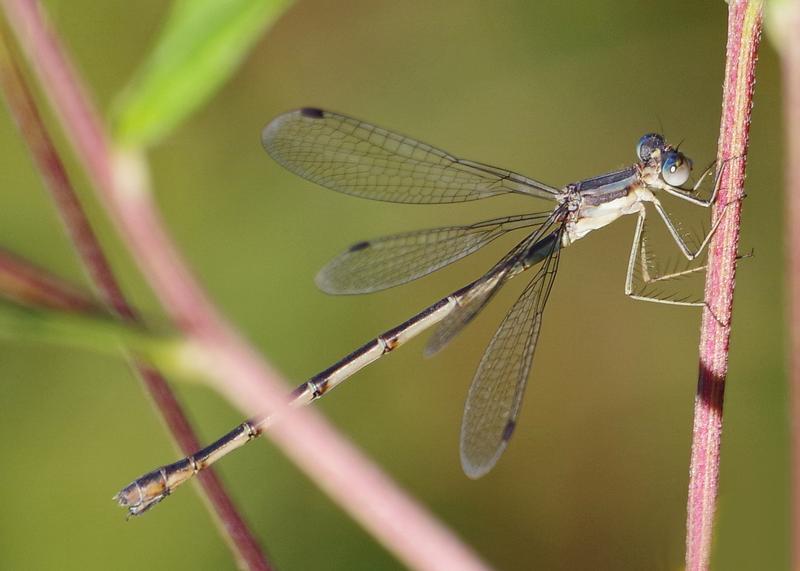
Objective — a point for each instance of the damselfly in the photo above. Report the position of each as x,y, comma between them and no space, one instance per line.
353,157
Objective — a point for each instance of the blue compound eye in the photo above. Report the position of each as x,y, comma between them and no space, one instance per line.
647,144
675,168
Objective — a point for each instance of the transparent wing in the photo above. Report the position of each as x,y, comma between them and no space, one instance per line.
530,251
385,262
350,156
496,392
469,305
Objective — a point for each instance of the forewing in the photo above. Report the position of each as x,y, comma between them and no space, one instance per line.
350,156
381,263
496,392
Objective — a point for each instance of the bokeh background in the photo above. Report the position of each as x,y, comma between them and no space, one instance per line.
596,475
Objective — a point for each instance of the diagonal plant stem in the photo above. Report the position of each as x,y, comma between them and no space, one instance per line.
22,106
24,283
791,77
744,33
238,372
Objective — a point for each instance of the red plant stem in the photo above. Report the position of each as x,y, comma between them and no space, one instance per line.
25,283
239,373
744,32
23,109
791,81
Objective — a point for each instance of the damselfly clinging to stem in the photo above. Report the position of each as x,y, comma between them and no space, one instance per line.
357,158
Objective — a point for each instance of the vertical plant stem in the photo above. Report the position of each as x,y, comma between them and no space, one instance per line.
23,108
744,33
406,528
791,82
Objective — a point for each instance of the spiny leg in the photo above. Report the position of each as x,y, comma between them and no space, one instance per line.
673,230
638,251
686,271
678,274
648,277
669,271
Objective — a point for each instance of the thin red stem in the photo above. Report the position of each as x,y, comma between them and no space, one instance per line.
51,168
337,467
23,282
791,77
744,32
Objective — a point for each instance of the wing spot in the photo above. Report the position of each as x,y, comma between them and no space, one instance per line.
312,112
509,430
359,246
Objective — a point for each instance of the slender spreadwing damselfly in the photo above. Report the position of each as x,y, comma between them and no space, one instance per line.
353,157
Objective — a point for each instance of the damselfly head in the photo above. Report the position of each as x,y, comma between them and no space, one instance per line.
648,144
675,167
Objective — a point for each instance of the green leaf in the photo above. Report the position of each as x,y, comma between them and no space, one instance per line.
200,47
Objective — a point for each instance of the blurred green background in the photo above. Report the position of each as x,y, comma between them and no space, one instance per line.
596,475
